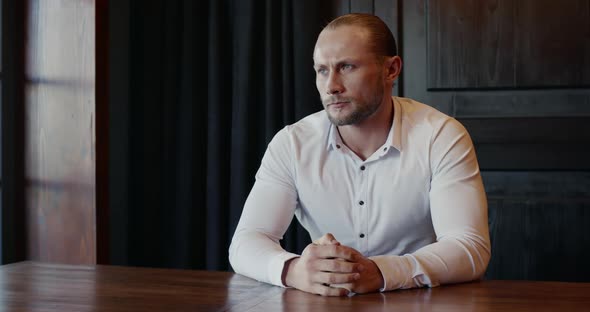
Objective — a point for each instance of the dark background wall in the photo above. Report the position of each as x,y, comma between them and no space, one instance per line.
191,92
516,74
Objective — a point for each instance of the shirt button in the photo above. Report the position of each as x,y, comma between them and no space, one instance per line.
362,167
337,145
362,235
385,149
361,202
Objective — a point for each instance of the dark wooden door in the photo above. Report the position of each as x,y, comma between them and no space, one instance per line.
517,75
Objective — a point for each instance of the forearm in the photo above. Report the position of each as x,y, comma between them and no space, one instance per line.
255,250
258,256
451,260
458,209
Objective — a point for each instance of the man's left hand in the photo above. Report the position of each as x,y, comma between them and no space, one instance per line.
371,279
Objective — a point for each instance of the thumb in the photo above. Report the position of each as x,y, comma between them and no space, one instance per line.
326,239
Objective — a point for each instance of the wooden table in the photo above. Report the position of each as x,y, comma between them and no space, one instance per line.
29,286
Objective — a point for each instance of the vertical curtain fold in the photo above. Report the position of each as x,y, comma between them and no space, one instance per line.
218,122
211,83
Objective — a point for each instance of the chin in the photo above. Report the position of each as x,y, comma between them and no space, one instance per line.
340,121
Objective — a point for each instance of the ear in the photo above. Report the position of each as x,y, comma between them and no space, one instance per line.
393,67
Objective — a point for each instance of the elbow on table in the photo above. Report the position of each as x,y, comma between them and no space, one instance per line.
233,257
482,258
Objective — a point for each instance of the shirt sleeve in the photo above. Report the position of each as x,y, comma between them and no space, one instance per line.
255,250
459,214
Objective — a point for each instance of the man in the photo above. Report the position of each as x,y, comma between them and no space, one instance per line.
390,188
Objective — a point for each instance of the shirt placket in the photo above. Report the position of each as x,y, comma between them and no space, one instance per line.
362,204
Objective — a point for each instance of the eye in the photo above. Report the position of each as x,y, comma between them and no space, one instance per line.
346,67
322,71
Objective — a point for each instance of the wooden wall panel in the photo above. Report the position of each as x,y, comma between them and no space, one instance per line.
362,6
508,44
388,11
515,73
440,36
507,143
506,104
539,225
60,131
468,42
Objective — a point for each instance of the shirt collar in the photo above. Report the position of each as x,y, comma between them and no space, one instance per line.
334,139
393,138
395,133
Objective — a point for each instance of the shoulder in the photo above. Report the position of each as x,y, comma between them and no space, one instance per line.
426,119
313,124
420,114
312,128
291,144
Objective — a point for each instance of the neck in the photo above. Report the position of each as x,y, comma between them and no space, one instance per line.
369,135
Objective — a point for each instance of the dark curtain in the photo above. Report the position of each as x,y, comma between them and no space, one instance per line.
210,83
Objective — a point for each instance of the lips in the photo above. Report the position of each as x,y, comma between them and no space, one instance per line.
337,104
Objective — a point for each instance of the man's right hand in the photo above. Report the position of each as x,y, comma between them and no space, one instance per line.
321,264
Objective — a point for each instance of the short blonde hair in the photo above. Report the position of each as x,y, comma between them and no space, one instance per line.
381,39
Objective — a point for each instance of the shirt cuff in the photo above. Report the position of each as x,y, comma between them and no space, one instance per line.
276,266
396,272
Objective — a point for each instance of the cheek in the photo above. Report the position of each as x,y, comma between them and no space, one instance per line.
363,90
319,84
355,85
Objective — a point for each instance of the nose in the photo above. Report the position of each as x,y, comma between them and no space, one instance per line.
334,84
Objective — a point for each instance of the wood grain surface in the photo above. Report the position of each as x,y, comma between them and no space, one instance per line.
29,286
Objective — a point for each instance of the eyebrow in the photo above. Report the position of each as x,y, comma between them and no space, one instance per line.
338,64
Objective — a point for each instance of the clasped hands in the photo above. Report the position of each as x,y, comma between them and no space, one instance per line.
328,268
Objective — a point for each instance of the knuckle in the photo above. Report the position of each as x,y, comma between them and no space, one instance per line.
306,251
310,250
332,279
325,291
319,289
349,254
334,249
337,266
347,279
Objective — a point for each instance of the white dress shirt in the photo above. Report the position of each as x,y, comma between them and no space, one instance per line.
416,207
